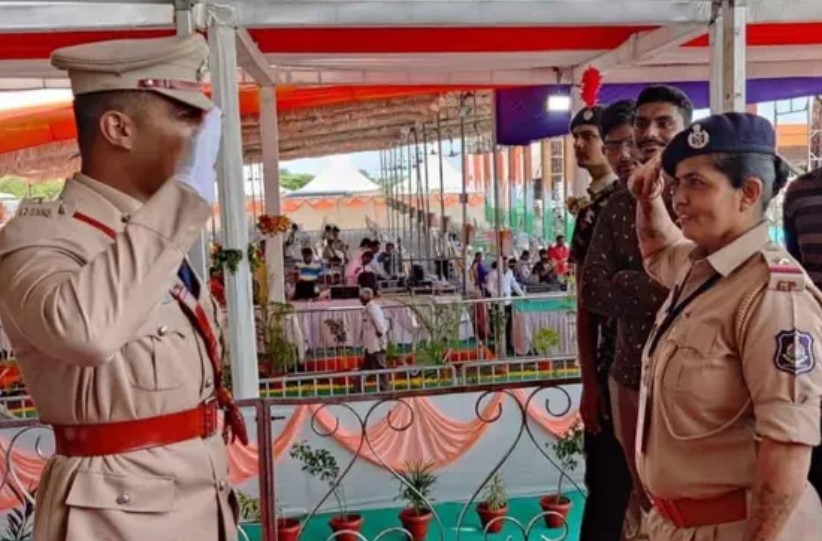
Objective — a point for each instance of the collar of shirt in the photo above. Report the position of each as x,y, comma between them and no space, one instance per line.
732,256
599,184
124,202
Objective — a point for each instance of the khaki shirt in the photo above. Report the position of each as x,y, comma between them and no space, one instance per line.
100,339
741,362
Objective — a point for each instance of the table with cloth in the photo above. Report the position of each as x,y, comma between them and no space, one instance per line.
405,327
555,312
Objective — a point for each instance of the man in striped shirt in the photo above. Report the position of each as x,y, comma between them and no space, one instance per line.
802,213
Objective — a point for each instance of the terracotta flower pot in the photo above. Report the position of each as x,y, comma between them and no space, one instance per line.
560,505
351,523
287,529
487,515
417,525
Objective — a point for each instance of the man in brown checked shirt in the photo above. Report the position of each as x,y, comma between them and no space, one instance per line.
614,283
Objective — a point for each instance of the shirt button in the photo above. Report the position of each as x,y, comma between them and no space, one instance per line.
221,486
123,499
162,331
209,382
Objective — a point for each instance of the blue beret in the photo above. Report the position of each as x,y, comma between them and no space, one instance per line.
587,116
728,133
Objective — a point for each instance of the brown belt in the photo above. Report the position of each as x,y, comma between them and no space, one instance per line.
126,436
687,513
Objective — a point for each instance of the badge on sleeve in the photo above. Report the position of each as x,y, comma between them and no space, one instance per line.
794,352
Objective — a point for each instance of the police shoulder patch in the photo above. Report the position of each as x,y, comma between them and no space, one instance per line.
794,352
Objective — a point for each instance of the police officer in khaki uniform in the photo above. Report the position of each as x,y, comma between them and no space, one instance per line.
730,398
118,340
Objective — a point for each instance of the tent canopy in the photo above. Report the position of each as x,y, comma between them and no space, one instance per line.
452,179
339,178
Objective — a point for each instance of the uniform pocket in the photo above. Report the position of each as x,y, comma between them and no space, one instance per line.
153,360
127,493
703,387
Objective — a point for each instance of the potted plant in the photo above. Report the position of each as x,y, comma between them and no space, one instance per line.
321,464
543,342
568,450
493,505
416,492
278,354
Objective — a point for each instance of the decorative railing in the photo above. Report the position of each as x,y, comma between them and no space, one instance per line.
375,435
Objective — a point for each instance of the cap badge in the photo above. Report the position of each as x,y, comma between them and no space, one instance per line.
588,114
201,71
698,138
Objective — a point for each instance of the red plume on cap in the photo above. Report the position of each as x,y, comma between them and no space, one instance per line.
591,83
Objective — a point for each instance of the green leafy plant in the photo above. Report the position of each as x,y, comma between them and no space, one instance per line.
20,521
441,324
249,507
322,465
418,487
337,329
568,450
392,352
279,354
229,258
544,341
495,496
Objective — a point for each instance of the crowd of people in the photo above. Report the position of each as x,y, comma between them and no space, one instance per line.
697,336
366,266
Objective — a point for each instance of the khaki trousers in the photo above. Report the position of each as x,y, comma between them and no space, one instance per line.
804,525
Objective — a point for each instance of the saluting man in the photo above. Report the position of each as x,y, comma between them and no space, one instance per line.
730,393
118,340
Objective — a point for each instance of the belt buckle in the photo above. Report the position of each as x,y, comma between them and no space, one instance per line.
209,416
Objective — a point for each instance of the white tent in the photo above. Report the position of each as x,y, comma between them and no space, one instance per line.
339,178
451,178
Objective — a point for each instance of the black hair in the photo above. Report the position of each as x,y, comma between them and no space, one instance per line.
668,94
617,114
772,171
90,108
543,252
561,237
365,242
525,253
307,251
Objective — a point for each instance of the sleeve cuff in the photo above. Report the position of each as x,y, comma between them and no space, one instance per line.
789,423
176,213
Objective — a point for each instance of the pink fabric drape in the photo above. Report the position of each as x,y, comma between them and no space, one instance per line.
431,436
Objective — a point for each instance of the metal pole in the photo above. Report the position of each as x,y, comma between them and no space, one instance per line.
242,339
717,96
442,176
426,201
733,58
274,256
497,219
464,202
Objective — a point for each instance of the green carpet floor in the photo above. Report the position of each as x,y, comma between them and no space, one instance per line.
379,520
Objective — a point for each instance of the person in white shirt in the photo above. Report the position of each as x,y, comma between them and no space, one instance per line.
509,286
374,337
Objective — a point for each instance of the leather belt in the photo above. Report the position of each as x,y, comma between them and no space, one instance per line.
688,513
134,435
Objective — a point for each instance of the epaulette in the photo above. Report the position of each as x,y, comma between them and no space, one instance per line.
785,274
40,208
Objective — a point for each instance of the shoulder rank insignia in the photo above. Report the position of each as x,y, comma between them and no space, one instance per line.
785,273
794,352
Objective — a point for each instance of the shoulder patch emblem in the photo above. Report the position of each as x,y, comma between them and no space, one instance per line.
794,352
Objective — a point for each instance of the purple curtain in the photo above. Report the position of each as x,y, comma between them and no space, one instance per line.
523,116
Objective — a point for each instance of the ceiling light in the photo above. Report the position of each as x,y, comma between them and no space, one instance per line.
559,102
